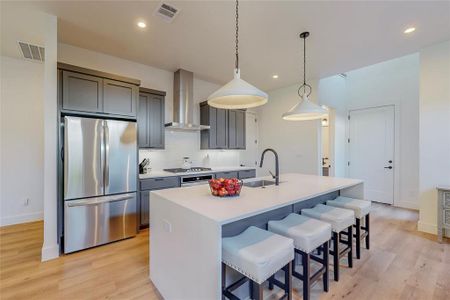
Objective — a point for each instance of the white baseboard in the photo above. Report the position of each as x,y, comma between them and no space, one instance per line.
49,252
406,204
24,218
427,227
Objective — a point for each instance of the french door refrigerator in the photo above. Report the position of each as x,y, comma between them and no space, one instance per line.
100,159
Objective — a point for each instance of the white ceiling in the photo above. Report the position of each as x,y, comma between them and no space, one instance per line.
344,35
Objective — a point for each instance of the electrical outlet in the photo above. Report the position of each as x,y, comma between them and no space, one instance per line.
27,202
167,226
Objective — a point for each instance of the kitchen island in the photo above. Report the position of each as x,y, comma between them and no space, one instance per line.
187,226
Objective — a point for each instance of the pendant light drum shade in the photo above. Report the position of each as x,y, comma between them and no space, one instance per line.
237,94
305,110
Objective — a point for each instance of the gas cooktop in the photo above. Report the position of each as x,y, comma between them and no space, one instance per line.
190,170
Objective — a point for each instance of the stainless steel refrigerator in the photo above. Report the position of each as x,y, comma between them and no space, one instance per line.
100,159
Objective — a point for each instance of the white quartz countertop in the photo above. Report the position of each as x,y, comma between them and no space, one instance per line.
161,173
293,188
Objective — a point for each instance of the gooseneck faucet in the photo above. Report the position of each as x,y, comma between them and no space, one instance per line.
277,165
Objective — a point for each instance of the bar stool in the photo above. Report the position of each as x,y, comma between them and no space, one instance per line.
361,209
340,219
257,254
308,235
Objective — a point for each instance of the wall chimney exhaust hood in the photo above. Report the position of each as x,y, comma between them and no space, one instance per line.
183,103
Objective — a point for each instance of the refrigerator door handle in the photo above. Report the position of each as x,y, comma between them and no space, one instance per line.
97,202
106,160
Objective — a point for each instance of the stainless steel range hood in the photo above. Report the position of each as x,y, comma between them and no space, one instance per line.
183,103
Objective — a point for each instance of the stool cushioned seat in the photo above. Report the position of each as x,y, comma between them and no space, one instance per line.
307,233
339,218
360,207
257,253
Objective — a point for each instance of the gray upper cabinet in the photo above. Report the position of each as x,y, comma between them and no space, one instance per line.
99,93
236,129
227,128
82,92
217,136
119,98
151,119
240,129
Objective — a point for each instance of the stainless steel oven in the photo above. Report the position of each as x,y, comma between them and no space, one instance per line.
195,179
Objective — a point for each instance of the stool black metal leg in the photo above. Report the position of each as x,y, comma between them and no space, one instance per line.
223,279
336,256
271,282
358,238
288,280
257,293
306,276
367,225
350,245
326,275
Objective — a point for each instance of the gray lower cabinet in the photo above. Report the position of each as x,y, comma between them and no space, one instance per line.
82,92
148,185
244,174
151,121
228,174
227,128
119,98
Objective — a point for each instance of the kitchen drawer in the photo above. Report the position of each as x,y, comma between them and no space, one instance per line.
247,174
159,183
229,174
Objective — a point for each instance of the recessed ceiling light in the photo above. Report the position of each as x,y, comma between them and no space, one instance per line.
409,30
141,24
275,76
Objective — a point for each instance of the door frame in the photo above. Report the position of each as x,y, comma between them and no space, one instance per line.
396,105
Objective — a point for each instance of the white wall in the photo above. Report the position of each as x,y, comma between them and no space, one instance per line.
50,247
297,143
332,92
22,136
178,144
434,130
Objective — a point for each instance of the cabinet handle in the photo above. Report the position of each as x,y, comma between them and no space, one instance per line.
159,179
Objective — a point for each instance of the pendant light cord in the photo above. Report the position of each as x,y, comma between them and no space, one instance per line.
303,87
304,61
237,36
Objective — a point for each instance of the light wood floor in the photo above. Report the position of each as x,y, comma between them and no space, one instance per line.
401,264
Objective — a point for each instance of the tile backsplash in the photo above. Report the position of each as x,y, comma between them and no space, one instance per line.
181,144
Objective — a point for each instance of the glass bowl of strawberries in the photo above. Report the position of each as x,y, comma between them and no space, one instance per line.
225,187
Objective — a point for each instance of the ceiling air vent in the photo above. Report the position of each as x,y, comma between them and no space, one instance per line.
32,52
166,12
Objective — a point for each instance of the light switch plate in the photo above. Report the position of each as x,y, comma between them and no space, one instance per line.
167,226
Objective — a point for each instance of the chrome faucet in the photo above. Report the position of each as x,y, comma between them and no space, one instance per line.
277,165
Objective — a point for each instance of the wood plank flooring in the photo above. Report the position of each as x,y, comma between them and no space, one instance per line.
401,264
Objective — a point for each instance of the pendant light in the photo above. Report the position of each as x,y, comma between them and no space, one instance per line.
237,93
305,109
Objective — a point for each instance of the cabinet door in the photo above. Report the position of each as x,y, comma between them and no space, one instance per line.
221,129
144,208
156,121
240,129
142,120
82,92
232,130
213,128
119,98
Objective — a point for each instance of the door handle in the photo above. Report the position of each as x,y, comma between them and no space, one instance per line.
390,167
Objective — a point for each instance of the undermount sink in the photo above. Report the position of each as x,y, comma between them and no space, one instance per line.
259,183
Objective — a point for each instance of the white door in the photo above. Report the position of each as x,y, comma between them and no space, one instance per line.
249,156
371,151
